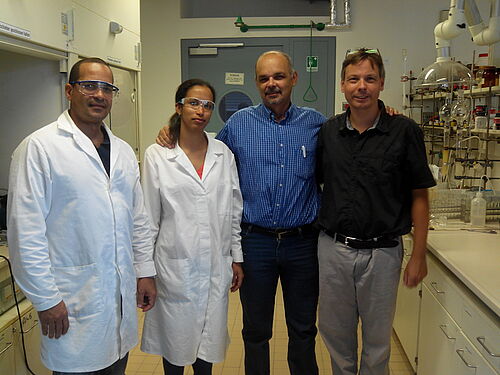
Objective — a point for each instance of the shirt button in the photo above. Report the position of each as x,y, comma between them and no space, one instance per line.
274,222
282,165
277,204
281,185
281,144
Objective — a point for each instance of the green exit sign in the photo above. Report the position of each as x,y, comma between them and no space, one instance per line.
311,63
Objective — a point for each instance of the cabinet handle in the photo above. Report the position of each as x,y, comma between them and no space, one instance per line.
461,355
482,340
7,347
443,326
34,325
434,286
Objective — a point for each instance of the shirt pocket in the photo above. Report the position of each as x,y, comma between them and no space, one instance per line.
80,288
304,161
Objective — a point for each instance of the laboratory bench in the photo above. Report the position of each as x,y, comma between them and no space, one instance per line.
450,323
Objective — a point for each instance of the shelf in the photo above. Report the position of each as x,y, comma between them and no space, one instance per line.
476,92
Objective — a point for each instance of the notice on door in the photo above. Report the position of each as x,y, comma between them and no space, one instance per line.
235,79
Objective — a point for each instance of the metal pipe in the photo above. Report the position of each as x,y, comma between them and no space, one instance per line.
483,35
333,24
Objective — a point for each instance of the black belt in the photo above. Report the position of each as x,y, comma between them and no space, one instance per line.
357,243
279,233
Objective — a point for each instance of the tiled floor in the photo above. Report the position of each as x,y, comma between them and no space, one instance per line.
144,364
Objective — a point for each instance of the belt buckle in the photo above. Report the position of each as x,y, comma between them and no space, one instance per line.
280,234
347,239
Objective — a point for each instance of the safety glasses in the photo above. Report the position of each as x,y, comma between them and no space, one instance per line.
362,50
195,103
91,87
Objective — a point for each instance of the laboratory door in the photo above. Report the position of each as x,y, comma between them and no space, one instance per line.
229,65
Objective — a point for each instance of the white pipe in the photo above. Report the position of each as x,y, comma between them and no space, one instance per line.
482,35
333,24
450,28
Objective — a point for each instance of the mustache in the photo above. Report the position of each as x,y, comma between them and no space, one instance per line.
273,90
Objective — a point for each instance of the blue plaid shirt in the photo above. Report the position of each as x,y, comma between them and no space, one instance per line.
276,163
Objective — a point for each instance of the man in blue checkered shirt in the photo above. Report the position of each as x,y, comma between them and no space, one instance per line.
275,144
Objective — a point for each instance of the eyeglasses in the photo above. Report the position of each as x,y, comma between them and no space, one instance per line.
90,88
362,50
195,103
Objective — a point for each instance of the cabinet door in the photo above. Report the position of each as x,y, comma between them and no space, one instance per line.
32,334
437,339
7,361
407,317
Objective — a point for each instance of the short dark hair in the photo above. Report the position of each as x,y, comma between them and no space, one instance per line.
74,74
175,120
363,54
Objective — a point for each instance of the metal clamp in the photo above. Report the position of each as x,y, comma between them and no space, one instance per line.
434,284
442,327
9,344
482,340
461,355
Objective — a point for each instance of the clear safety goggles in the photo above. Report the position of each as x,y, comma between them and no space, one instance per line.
91,87
207,105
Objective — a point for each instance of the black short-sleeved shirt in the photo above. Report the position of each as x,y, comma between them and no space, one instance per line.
369,177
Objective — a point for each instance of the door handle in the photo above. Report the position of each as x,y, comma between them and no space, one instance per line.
442,327
434,286
9,345
482,340
460,353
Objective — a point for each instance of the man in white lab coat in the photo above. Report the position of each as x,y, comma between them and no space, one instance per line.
78,233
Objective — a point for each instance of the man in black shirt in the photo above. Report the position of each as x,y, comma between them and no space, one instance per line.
375,175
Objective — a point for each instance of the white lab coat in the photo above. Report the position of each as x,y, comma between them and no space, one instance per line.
196,224
79,236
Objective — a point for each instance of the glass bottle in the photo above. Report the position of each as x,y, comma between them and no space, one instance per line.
461,109
478,210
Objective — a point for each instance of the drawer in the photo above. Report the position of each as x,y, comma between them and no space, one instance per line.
442,285
468,360
482,328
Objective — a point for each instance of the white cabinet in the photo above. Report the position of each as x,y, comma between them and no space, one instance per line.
407,315
31,330
7,362
438,335
93,38
40,22
458,335
126,13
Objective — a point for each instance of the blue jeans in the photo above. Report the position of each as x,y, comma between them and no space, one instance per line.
117,368
294,261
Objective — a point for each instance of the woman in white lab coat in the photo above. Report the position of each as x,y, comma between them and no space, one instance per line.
193,198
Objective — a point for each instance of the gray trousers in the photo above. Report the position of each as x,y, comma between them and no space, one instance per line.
357,284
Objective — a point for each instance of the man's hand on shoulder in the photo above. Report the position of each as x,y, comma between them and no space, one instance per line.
54,321
392,111
163,138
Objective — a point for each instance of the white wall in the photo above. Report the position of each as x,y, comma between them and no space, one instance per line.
389,25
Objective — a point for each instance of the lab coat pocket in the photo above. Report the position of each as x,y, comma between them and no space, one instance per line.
80,288
175,281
